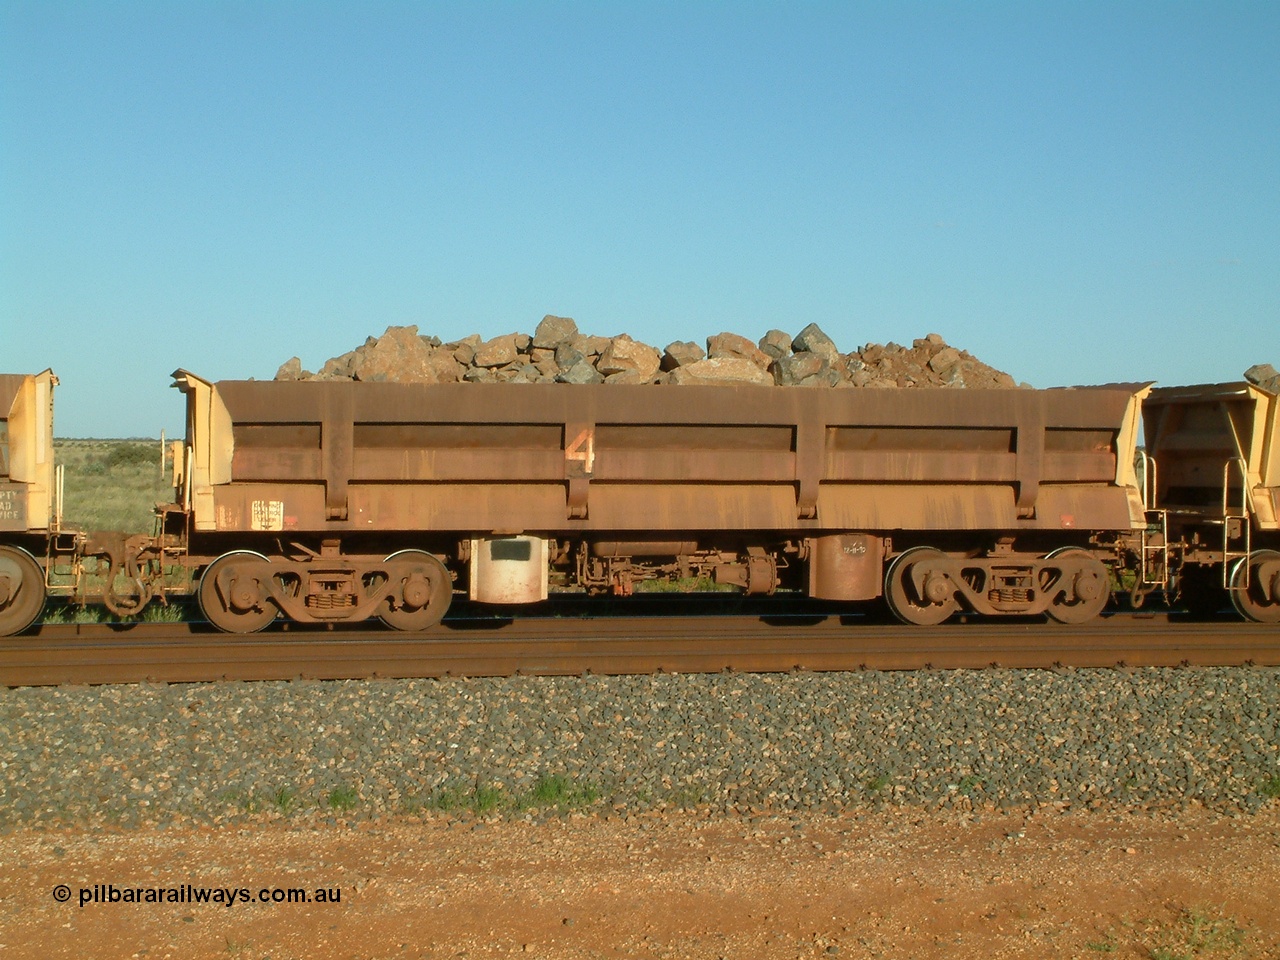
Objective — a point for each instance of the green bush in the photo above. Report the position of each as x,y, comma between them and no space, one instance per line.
127,454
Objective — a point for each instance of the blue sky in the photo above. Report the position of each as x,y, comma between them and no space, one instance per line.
1074,192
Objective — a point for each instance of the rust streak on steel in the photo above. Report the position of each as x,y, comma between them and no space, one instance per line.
173,653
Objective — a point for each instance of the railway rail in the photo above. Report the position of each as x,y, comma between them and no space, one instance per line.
177,653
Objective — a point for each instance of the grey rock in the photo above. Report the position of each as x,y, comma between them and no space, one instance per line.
628,377
547,367
944,360
721,370
792,370
568,355
812,339
823,378
680,353
1264,375
1260,372
444,367
624,355
580,372
553,331
732,345
590,346
480,375
519,372
339,368
776,344
464,350
291,369
497,352
398,355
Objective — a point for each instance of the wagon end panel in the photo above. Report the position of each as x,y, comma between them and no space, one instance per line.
27,470
1215,446
210,446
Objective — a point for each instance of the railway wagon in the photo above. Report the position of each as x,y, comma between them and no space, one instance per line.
28,486
1213,491
330,501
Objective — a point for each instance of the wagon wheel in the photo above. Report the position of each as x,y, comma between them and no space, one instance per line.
933,603
1260,601
419,593
1084,594
21,590
240,603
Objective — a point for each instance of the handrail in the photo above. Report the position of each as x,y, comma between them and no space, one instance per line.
59,492
1150,473
1238,462
1243,516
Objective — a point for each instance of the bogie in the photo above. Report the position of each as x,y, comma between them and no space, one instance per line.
924,585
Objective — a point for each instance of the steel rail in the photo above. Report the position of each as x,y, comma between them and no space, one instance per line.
177,653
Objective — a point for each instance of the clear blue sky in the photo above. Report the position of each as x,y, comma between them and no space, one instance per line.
1074,191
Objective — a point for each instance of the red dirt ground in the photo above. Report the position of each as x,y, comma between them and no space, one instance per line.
898,883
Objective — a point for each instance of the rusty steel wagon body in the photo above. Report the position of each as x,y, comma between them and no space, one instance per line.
330,501
1213,495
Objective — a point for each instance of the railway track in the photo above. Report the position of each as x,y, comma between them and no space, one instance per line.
175,653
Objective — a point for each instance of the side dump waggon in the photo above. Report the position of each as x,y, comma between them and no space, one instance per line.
330,501
1213,492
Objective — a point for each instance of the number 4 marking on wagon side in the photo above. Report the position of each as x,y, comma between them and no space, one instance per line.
583,449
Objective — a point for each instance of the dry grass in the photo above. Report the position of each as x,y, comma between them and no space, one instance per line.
112,484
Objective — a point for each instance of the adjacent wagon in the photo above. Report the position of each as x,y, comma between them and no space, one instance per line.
1213,491
28,501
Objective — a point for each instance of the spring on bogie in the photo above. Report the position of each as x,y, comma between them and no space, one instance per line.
1010,595
330,601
